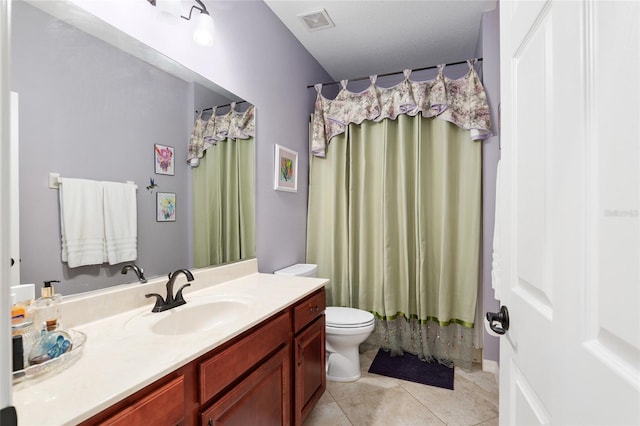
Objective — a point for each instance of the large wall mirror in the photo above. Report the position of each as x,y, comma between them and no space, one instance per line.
91,110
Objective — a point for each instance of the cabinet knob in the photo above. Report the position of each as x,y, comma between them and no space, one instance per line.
210,422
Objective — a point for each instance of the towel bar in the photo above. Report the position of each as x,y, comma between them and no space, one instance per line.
54,181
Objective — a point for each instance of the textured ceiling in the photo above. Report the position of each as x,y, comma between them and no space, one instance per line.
377,37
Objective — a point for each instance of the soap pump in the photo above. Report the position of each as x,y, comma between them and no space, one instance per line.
47,308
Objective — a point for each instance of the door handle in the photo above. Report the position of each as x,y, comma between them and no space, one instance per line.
502,318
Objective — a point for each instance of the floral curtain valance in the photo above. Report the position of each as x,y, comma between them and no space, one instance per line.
462,102
206,133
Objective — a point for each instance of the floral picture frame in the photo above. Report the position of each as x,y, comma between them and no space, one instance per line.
164,159
165,206
286,169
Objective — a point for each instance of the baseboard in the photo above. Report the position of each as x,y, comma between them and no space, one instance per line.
491,367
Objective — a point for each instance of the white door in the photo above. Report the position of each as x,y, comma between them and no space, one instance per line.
14,214
569,223
5,225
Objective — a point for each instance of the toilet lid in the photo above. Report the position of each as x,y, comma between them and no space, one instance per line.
347,317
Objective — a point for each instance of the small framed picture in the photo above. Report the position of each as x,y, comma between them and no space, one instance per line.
286,166
165,207
164,160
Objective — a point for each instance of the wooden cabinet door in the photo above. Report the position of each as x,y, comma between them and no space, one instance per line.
309,369
263,398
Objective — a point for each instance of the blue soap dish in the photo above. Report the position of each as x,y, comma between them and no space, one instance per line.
50,345
52,353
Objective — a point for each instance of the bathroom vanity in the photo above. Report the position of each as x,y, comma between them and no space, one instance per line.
261,362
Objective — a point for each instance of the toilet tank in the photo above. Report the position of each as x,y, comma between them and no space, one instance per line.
300,269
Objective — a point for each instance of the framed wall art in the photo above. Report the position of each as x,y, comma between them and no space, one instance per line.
164,161
165,207
286,169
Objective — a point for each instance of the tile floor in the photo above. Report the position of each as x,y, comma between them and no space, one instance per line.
380,400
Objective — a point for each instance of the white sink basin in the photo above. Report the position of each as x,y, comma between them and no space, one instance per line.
196,316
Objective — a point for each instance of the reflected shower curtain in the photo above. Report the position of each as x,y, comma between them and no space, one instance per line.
224,203
394,222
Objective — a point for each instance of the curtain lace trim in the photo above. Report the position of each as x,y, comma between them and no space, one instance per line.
449,345
206,133
462,102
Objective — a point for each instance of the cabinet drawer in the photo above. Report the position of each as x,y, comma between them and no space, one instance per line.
164,405
225,367
308,309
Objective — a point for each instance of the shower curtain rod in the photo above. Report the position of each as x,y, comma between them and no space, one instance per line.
394,73
219,106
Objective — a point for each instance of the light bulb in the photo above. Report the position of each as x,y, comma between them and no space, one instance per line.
203,34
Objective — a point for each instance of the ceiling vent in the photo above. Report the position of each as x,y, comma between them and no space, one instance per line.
318,20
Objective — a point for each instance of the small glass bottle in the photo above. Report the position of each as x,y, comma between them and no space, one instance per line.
47,314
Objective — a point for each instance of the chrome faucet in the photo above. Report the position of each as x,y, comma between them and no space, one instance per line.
139,272
171,301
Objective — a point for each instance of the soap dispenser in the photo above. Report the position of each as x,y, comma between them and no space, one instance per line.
47,308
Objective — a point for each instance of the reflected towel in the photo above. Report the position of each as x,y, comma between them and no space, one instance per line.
120,222
496,261
81,222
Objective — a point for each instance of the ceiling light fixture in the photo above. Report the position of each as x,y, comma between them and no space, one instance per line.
204,31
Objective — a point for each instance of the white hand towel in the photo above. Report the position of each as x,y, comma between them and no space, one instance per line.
120,222
81,222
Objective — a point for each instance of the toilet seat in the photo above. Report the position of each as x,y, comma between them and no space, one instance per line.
339,317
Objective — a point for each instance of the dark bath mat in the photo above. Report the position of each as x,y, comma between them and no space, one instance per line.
409,367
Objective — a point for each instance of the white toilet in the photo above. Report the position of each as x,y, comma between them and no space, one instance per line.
346,328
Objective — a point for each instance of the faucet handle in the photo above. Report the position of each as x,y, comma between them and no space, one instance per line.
160,303
179,297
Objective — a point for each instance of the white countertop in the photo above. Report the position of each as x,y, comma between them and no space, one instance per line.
122,355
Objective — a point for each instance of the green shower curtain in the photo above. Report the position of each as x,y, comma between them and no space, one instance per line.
223,203
394,222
